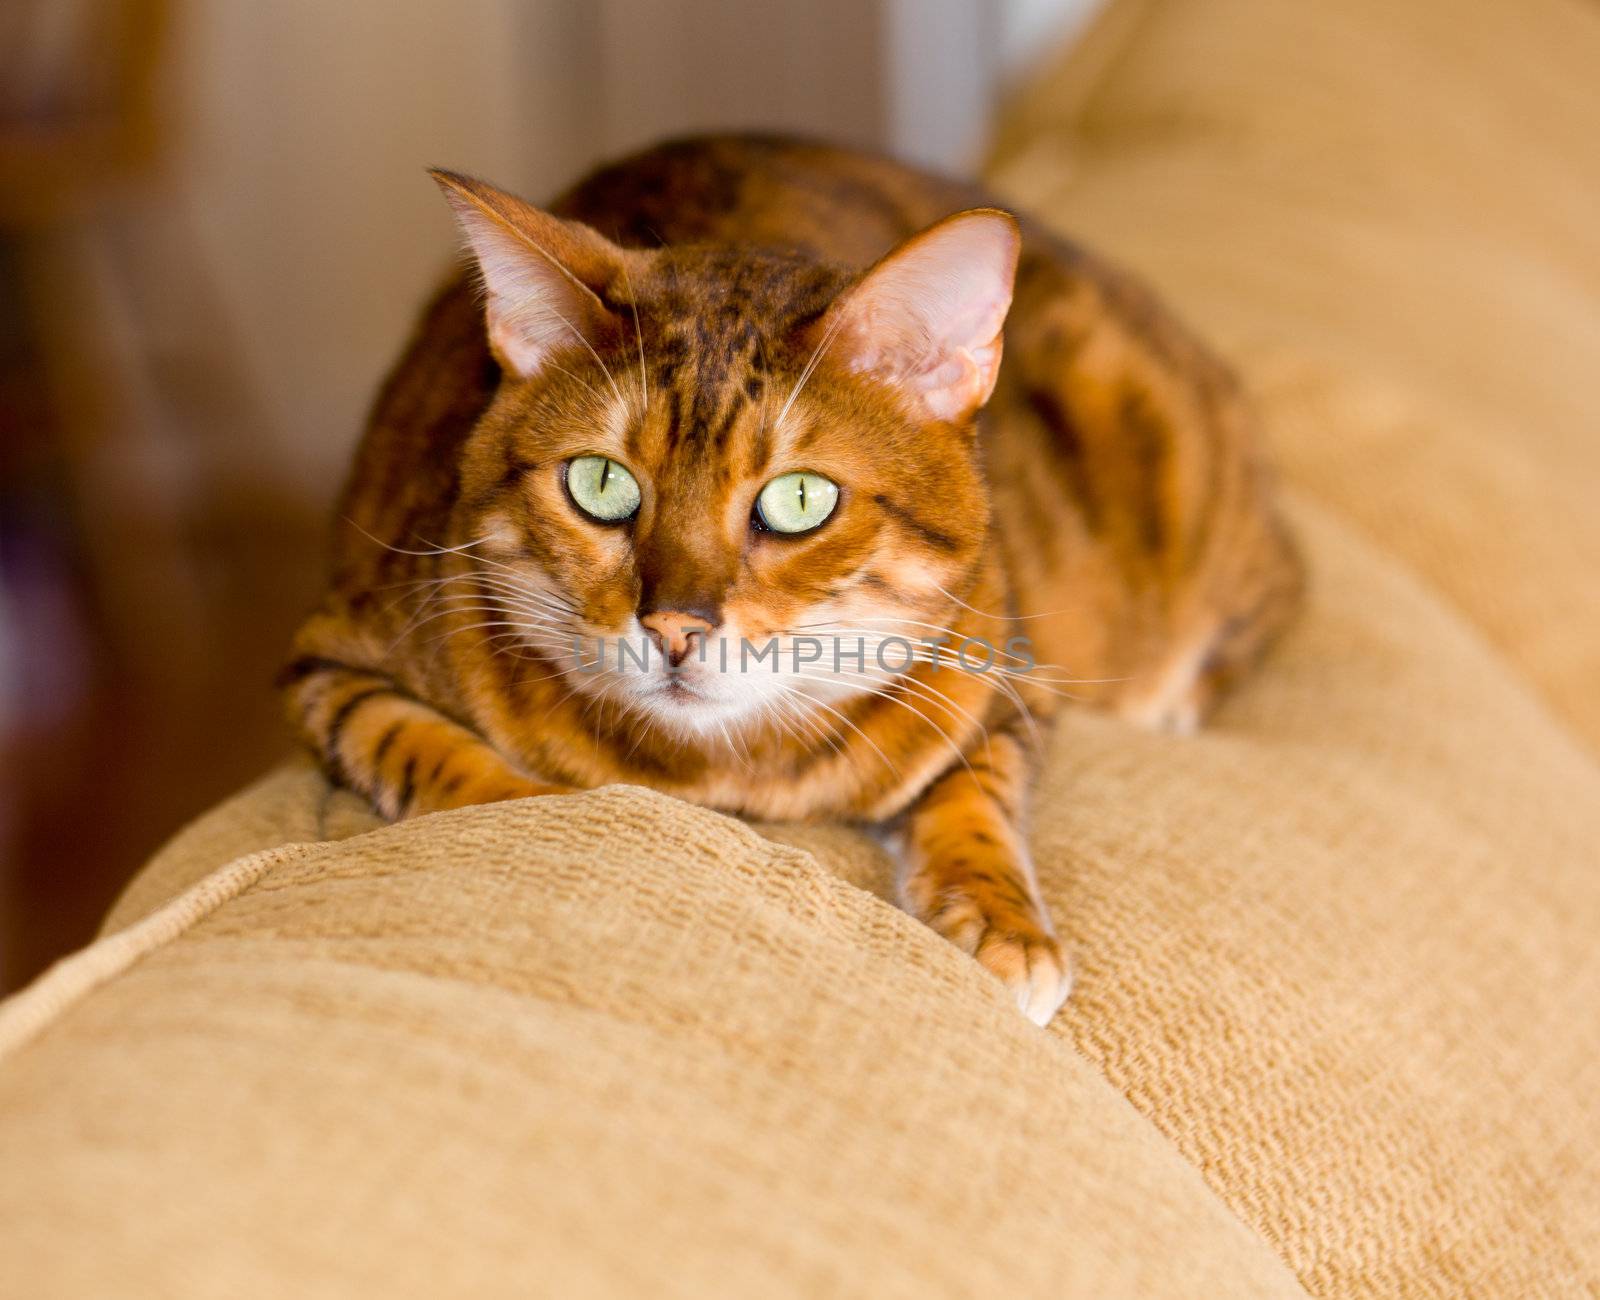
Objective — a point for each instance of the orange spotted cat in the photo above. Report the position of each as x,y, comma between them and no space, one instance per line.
712,479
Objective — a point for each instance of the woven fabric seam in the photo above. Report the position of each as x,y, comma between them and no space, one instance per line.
33,1009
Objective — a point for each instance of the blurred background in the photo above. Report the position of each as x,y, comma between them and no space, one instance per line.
214,233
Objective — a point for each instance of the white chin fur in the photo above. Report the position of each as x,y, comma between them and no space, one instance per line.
713,703
720,691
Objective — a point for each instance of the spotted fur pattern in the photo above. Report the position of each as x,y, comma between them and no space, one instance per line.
1109,503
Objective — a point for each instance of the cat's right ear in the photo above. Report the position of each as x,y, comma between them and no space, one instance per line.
541,275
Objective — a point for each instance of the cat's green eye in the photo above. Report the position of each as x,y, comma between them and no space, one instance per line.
796,503
602,488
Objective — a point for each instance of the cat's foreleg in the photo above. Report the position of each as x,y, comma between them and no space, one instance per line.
969,877
405,757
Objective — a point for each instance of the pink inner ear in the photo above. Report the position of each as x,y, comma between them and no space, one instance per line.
534,268
928,318
533,305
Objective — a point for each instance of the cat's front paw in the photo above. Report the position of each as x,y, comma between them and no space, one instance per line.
1015,947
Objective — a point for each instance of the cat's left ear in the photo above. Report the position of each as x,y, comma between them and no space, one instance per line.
927,318
542,276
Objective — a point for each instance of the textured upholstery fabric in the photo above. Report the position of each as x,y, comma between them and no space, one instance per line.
1337,1027
486,1054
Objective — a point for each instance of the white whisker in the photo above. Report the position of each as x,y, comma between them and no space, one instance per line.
638,334
805,373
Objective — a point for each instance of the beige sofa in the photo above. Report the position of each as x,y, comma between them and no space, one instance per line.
1337,1029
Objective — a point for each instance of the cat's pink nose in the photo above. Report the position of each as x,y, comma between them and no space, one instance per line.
673,632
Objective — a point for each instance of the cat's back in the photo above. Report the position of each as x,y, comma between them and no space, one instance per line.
835,204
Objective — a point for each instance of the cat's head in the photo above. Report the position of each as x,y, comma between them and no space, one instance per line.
741,440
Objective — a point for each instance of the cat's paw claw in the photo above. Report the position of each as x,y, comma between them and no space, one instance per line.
1032,965
1022,954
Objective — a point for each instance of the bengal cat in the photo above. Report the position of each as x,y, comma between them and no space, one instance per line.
740,395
